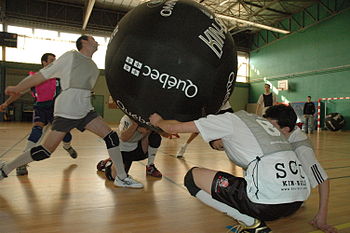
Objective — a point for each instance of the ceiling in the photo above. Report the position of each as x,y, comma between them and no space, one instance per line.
265,12
242,17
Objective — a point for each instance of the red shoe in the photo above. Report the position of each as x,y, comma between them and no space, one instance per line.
151,170
102,164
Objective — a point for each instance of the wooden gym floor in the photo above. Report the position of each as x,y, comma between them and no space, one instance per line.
65,195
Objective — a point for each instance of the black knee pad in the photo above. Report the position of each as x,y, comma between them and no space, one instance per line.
154,140
36,133
67,137
39,153
111,140
189,183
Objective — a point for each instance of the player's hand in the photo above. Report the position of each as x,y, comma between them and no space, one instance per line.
12,91
155,118
321,224
3,107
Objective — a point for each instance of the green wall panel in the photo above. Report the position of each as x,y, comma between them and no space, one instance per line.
315,62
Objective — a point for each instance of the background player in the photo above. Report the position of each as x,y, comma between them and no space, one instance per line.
44,96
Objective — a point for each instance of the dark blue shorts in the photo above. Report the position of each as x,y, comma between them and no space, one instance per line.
43,114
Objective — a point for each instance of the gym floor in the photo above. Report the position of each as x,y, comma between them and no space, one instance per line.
65,195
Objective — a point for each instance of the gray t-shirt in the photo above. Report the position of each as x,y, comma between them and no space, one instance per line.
78,75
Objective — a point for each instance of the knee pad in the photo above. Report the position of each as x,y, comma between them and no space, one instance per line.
189,183
36,133
67,137
39,153
154,140
111,140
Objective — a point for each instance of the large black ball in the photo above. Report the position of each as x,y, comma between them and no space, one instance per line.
334,121
171,57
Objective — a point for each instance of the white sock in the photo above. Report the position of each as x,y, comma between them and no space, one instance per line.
117,159
29,145
230,211
151,155
20,160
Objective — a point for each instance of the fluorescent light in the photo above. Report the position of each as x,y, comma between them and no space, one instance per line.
253,24
224,2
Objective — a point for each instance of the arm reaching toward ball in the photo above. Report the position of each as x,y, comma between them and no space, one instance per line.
173,126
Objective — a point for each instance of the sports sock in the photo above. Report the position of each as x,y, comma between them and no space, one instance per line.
29,145
20,160
232,212
117,159
151,155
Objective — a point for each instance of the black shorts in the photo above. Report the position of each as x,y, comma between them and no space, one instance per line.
62,124
42,114
135,155
231,190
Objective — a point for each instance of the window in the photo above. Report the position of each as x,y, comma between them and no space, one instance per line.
242,70
32,43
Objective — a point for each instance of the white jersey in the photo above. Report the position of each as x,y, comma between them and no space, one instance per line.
303,148
272,170
78,74
130,145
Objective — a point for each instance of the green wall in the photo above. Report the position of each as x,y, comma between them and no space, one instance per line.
315,62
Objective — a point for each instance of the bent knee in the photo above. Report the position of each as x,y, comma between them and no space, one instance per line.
190,184
111,140
39,153
154,140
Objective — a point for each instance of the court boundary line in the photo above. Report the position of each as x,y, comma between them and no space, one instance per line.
13,146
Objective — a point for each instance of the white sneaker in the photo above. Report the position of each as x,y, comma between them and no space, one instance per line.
127,182
2,173
181,152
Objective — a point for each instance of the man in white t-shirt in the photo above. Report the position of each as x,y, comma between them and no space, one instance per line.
180,154
136,143
314,171
78,74
274,184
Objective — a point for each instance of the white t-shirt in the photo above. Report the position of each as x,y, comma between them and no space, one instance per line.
306,156
78,74
130,145
278,177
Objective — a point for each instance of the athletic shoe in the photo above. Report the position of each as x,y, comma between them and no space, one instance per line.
151,170
127,182
2,173
22,170
101,166
72,152
181,152
257,227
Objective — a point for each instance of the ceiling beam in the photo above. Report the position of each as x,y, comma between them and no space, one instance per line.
258,25
88,9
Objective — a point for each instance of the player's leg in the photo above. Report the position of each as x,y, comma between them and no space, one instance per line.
35,136
152,143
68,146
95,124
183,148
37,153
201,182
